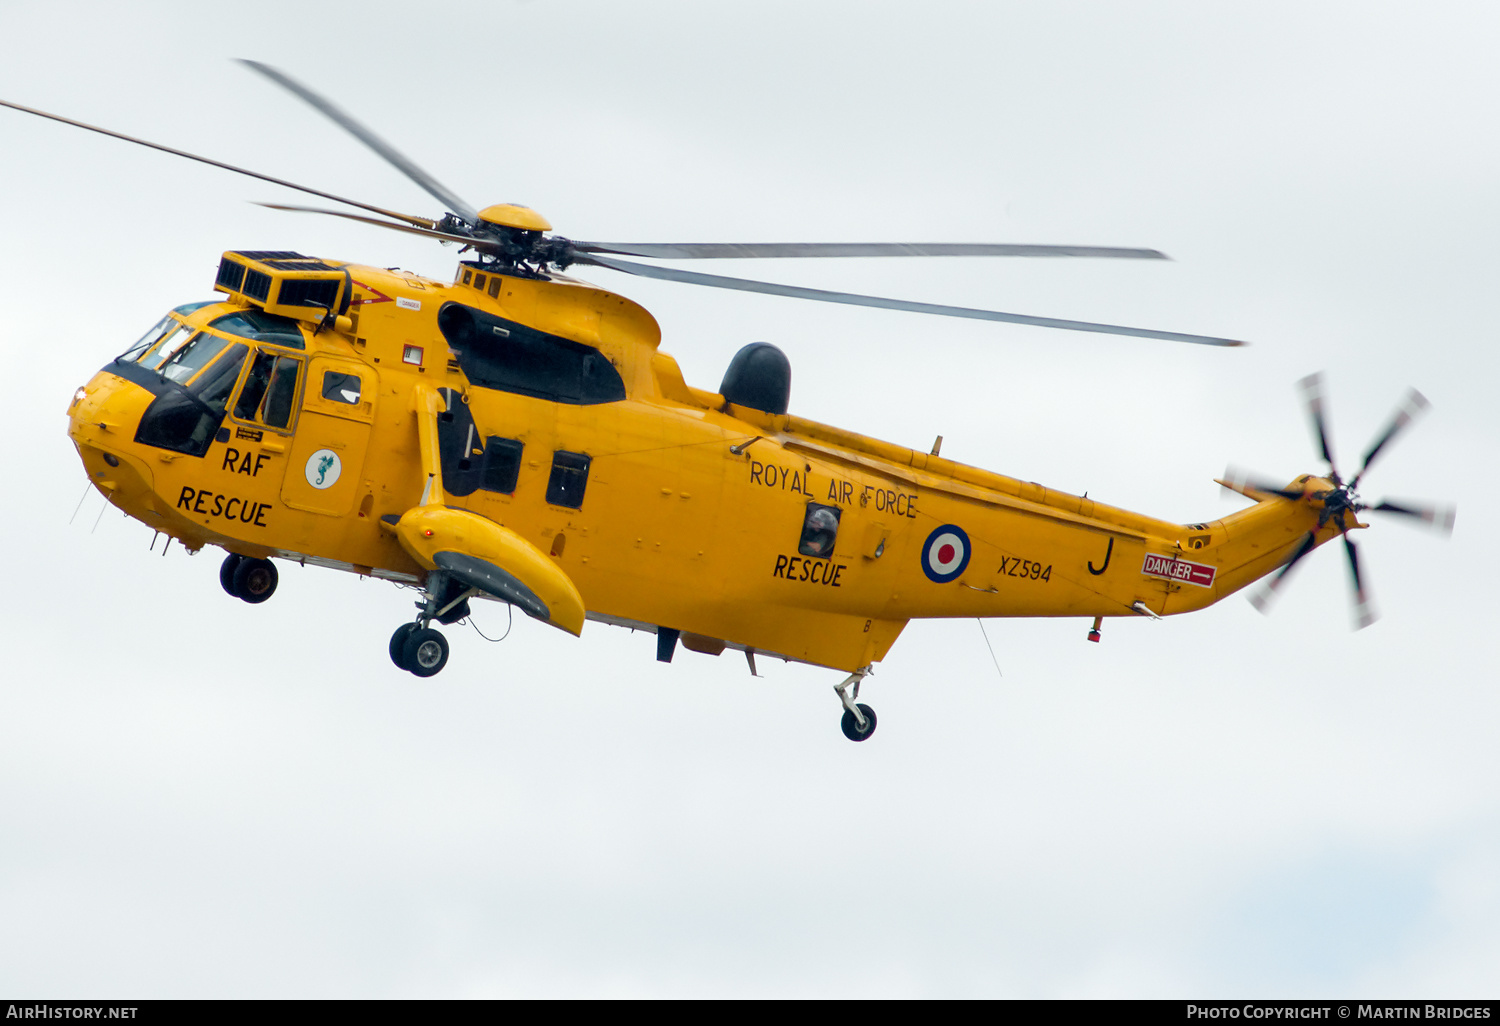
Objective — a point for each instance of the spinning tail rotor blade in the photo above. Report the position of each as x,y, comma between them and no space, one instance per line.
1364,612
393,156
1411,407
762,250
1312,395
1261,600
1439,518
853,299
1335,505
420,221
428,232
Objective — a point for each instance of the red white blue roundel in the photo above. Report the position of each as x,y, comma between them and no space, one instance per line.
945,554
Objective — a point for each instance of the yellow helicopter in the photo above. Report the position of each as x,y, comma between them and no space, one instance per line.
517,434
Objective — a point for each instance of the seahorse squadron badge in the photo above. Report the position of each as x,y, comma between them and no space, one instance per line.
323,468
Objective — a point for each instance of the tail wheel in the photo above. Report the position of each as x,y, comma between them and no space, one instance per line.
425,652
226,573
255,580
852,729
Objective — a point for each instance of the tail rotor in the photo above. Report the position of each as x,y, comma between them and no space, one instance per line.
1341,505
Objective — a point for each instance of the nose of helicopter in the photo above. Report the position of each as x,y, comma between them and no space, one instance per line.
102,419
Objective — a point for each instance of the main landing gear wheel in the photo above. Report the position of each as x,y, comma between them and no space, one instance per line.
226,573
254,579
425,652
851,726
398,644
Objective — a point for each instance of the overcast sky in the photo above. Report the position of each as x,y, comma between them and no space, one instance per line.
203,798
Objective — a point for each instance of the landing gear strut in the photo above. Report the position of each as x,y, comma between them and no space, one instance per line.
859,719
416,647
253,580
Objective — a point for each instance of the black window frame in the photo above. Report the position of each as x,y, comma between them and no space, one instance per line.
569,470
510,357
806,543
502,464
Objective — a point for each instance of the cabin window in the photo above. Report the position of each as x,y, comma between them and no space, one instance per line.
502,465
820,528
341,387
570,475
505,355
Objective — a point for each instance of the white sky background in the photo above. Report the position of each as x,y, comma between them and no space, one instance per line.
203,798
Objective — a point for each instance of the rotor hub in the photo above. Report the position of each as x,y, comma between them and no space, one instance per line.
513,215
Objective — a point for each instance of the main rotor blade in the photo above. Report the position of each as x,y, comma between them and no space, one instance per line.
852,299
1262,599
1411,407
410,219
433,187
426,232
1312,396
763,250
1364,612
1439,518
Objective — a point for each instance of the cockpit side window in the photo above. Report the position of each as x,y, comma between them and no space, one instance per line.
277,411
269,390
254,391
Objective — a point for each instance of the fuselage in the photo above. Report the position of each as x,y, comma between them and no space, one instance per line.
664,504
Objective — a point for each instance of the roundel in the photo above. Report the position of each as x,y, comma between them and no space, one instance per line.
323,468
945,554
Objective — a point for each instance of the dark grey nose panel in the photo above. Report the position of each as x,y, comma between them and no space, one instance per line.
760,377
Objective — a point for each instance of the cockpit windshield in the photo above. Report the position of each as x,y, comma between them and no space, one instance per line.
192,357
262,327
185,419
159,331
164,337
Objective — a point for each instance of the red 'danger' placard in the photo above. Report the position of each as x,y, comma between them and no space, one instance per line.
1178,570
